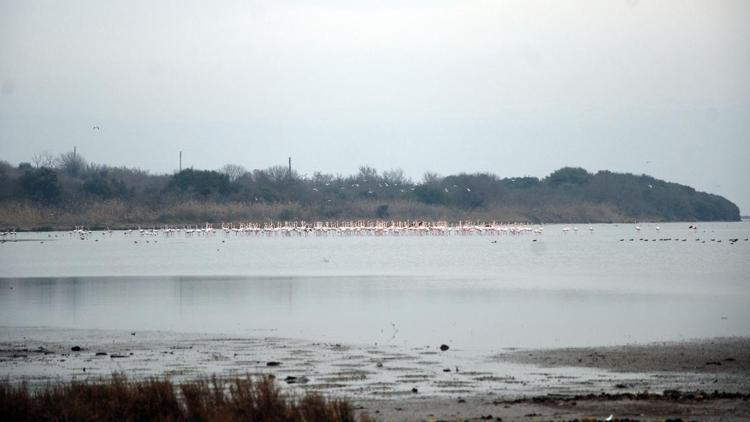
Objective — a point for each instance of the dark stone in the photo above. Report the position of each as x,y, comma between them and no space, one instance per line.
76,348
414,390
101,353
273,363
444,347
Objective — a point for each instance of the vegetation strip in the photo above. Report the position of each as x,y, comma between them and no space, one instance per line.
63,192
214,399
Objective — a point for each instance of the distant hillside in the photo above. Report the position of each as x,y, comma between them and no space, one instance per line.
68,191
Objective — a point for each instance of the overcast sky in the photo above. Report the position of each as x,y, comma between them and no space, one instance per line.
509,87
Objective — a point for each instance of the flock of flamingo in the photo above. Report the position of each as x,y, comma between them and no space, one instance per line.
341,228
347,228
319,228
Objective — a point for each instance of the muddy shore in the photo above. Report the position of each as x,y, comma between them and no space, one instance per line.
654,408
694,359
395,383
719,355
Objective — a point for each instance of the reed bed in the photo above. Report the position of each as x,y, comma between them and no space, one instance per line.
210,399
117,214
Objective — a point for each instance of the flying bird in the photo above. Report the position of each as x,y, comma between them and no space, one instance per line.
96,127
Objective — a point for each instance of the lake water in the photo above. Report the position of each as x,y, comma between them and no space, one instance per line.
555,289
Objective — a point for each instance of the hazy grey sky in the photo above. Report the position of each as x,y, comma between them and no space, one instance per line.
510,87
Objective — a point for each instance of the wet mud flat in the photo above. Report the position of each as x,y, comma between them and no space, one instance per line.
719,355
593,407
709,380
395,382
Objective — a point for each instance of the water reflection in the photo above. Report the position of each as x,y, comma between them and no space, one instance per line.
423,310
562,289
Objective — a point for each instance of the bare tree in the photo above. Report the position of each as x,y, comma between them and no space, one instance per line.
233,171
279,174
431,177
367,173
319,178
43,159
395,177
71,163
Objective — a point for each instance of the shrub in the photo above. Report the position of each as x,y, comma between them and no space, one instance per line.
382,211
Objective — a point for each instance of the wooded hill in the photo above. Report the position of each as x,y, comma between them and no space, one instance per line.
69,191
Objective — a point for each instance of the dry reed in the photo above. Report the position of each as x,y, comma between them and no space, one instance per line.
214,399
118,214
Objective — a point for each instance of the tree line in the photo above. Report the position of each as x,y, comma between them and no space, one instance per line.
69,182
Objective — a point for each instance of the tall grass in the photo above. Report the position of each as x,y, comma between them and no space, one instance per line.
117,214
215,399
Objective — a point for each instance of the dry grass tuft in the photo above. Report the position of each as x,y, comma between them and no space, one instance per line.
215,399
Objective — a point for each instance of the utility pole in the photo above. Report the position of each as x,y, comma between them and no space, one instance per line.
180,161
290,168
74,153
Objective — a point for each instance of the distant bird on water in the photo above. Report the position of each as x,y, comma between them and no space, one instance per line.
96,127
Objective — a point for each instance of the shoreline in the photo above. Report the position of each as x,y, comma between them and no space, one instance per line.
550,384
119,227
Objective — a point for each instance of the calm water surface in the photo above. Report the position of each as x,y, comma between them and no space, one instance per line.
564,289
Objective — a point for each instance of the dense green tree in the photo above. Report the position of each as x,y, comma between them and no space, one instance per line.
568,176
429,194
200,182
41,185
101,185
